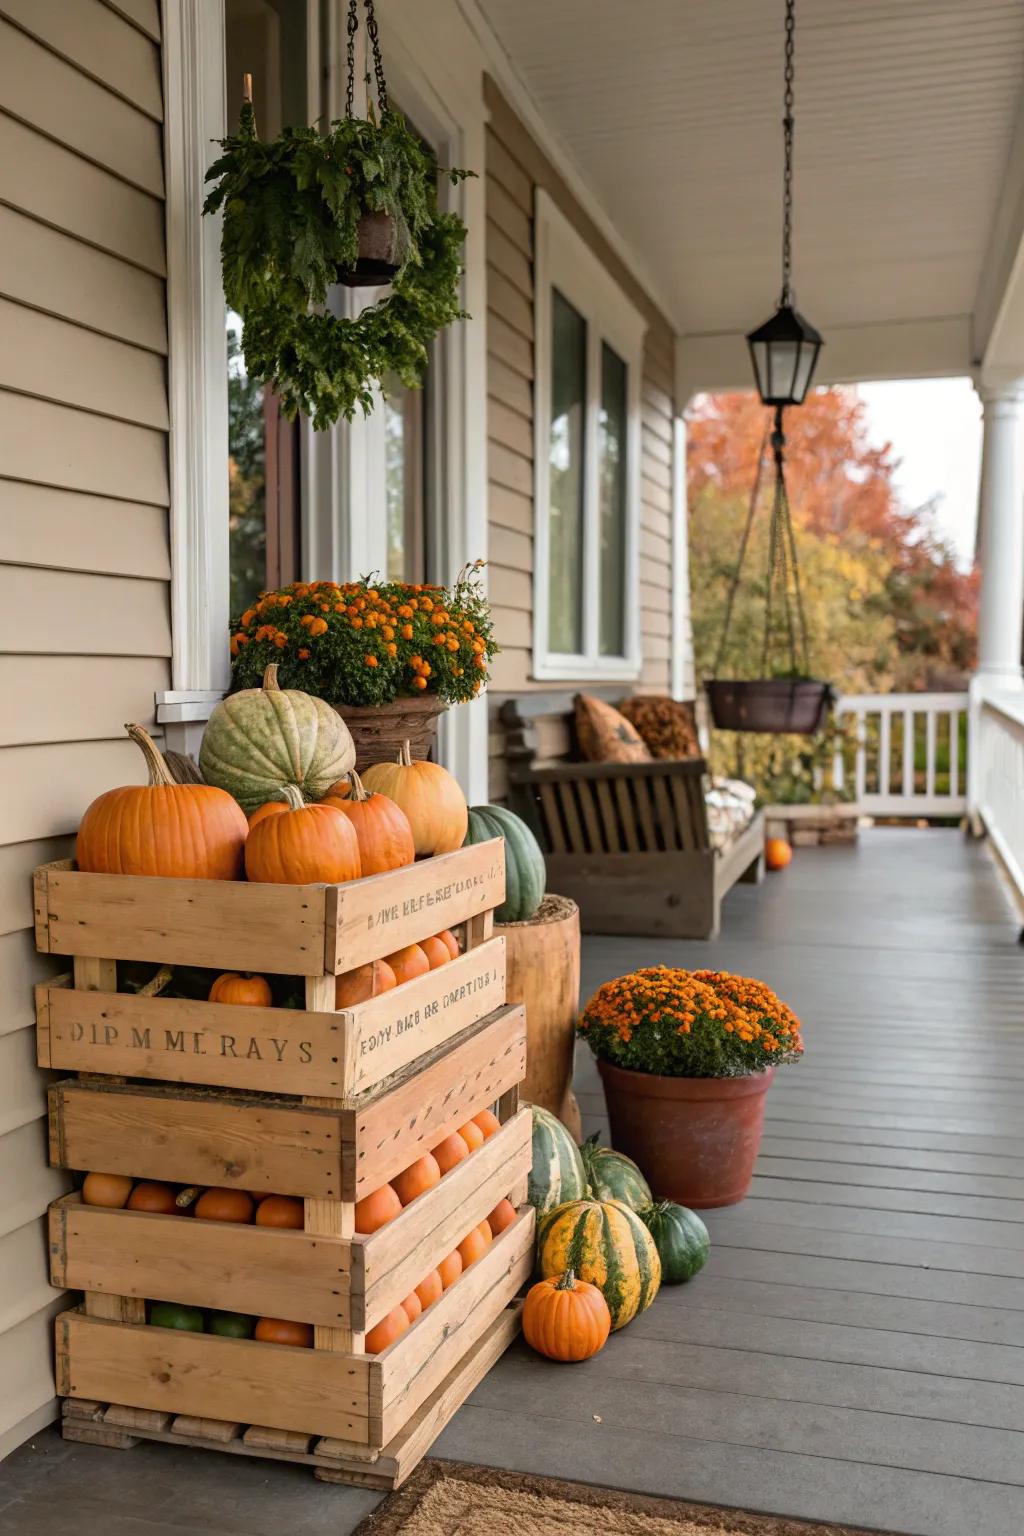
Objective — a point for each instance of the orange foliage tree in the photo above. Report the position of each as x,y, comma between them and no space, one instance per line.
841,490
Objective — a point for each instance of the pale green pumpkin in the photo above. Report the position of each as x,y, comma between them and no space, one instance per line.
261,739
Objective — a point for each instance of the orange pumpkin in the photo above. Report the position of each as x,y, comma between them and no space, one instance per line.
472,1135
339,791
503,1215
450,1151
154,1197
377,1208
436,951
224,1205
566,1318
472,1247
415,1180
243,988
268,808
187,831
450,1268
431,799
450,942
408,963
483,1227
430,1288
302,844
364,982
109,1189
281,1330
488,1122
412,1306
381,826
280,1211
777,853
386,1331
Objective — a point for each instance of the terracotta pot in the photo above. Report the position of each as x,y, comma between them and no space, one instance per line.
378,730
542,964
695,1138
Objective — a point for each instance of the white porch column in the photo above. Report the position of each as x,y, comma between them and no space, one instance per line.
1001,539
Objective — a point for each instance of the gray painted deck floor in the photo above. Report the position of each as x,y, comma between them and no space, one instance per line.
854,1350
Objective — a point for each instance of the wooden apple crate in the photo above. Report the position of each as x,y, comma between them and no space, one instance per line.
322,1104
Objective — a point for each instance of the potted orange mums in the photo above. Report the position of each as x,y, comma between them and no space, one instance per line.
686,1058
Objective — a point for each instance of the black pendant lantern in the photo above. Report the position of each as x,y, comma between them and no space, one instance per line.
785,349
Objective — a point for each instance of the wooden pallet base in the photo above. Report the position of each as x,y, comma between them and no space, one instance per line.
120,1427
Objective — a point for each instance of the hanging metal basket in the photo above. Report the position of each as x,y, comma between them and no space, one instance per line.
795,706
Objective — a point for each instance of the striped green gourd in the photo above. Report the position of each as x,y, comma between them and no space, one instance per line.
525,870
556,1173
605,1242
614,1176
681,1239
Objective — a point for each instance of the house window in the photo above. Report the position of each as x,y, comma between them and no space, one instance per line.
589,344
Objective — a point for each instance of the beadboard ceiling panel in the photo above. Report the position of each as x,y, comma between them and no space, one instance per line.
671,109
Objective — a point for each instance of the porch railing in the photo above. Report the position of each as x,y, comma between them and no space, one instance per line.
908,753
998,780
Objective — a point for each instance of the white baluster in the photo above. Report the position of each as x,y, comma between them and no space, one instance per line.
908,753
929,754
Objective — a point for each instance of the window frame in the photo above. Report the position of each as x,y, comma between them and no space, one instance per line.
564,261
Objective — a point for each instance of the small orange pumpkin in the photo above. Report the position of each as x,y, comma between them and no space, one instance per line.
503,1215
185,831
302,844
777,853
430,1288
282,1330
280,1211
415,1180
565,1318
109,1189
386,1331
472,1135
381,826
450,941
412,1306
432,801
408,963
243,988
224,1205
449,1152
366,981
153,1197
436,951
450,1268
377,1208
488,1122
472,1247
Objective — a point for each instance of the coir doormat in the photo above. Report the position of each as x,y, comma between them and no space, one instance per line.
450,1498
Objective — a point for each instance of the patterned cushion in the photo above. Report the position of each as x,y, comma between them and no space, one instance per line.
668,728
730,804
604,735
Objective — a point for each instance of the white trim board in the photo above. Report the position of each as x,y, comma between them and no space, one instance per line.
563,260
193,63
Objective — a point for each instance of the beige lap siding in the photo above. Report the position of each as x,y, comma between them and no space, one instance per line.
85,636
515,167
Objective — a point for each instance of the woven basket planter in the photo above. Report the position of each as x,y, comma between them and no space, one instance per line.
378,730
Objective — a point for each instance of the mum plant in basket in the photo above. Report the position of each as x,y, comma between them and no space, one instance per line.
686,1058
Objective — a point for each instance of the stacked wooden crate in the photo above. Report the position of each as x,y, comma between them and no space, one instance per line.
319,1103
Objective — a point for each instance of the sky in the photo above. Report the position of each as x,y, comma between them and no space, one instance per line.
934,426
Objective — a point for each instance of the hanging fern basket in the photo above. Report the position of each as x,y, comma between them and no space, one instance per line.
357,205
784,699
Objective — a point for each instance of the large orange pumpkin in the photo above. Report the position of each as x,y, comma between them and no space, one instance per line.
431,799
382,827
366,981
408,963
566,1318
242,988
186,831
302,845
777,853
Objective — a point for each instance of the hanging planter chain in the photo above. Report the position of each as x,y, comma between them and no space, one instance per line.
373,34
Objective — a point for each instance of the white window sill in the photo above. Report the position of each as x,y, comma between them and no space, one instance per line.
584,669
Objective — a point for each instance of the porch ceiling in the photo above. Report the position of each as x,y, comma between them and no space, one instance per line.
906,113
